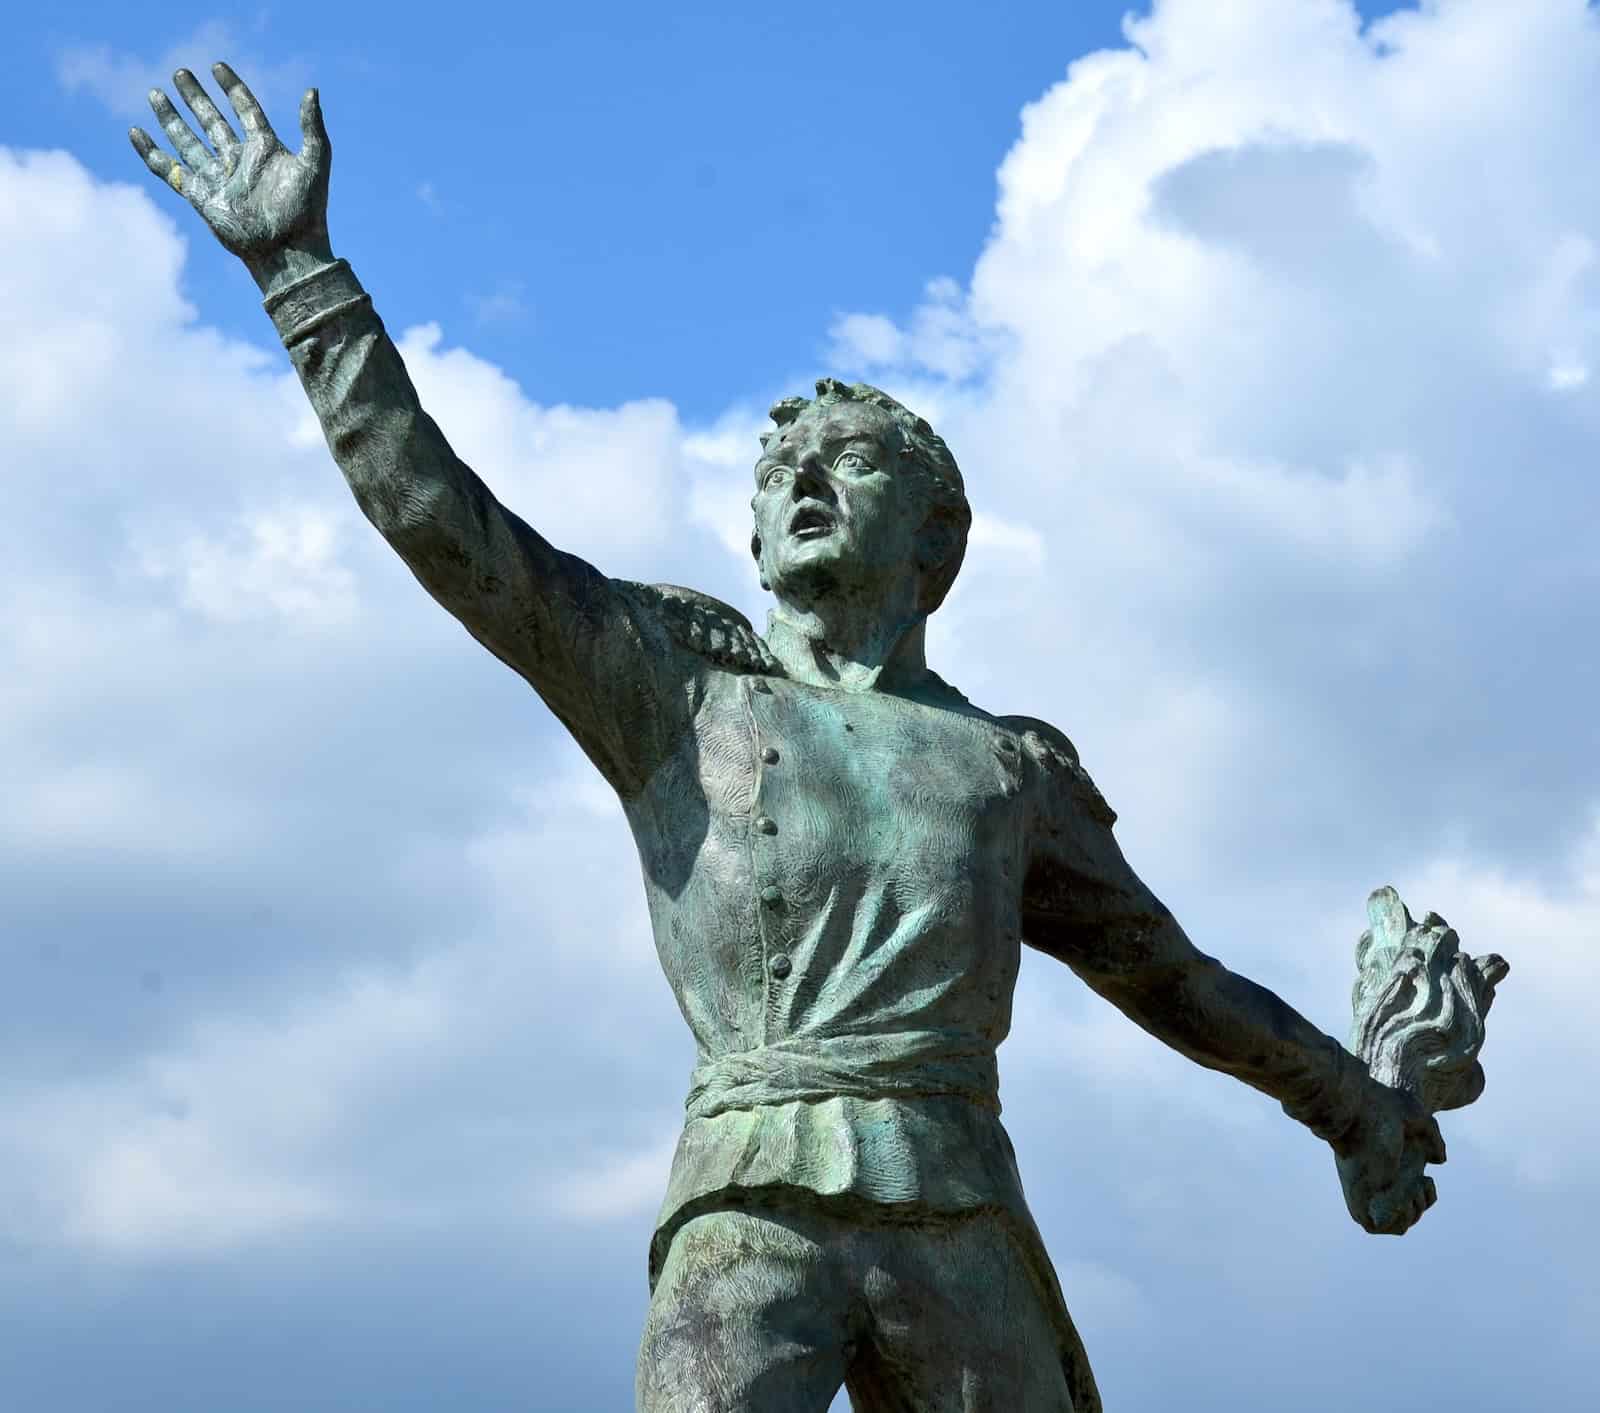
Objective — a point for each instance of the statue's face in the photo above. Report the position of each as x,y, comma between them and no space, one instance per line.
832,511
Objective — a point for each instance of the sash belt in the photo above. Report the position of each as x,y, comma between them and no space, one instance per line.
901,1065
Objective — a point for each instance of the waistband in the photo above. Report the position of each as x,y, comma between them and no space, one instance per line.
900,1065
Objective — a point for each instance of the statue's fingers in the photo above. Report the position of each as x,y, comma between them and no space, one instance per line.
156,160
223,138
1415,1206
1395,1212
179,133
314,144
251,117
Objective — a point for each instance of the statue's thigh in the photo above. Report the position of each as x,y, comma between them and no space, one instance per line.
748,1316
958,1325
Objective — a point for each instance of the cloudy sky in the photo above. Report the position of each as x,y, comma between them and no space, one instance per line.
335,1069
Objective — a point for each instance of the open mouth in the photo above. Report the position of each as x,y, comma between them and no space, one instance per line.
809,522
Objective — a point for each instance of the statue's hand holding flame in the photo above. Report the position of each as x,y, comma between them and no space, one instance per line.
1419,1005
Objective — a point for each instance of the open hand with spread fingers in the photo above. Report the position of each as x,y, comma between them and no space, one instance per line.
268,205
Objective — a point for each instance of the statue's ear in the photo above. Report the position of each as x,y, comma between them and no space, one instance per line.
939,551
936,541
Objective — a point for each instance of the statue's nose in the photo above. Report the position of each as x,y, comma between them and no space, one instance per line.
809,482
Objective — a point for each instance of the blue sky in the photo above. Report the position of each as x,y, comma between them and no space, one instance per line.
335,1070
617,201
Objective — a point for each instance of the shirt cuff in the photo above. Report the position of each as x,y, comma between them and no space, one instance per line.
304,306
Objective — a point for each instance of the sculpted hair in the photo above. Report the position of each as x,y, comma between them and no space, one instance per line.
923,455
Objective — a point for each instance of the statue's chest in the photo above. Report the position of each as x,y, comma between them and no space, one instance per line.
845,780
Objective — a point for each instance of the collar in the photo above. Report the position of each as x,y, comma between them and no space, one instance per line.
903,672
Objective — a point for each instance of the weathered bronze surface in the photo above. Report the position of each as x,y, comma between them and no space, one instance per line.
842,858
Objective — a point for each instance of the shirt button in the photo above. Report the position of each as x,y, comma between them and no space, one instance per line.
766,825
769,755
772,896
780,965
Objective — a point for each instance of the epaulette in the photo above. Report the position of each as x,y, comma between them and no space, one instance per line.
1051,748
709,627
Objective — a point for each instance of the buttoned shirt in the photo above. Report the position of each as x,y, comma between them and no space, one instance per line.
836,883
839,882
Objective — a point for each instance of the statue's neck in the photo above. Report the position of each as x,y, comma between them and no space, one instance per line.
854,655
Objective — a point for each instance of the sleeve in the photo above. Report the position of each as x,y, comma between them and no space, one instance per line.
1081,902
592,647
1084,905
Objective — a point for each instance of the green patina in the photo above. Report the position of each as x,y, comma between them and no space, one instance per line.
842,857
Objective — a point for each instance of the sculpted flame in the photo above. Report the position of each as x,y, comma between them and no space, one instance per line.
1420,1003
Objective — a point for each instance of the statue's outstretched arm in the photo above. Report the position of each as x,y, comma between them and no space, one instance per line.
1087,907
596,657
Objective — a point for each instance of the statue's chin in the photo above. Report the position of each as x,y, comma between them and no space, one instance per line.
828,577
808,580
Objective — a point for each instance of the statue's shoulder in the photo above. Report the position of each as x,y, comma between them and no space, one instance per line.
1050,746
705,626
1049,743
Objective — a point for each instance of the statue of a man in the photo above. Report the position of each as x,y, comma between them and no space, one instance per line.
842,858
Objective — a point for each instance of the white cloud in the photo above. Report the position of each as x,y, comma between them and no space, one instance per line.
1279,516
942,340
194,625
623,1184
276,564
1266,367
1535,1117
601,478
254,1123
720,461
1567,373
1002,543
1372,515
869,340
120,79
1111,1298
195,1148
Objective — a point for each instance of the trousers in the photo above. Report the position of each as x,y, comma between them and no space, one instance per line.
774,1309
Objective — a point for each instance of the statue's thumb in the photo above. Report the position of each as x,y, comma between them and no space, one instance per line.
314,146
1380,1213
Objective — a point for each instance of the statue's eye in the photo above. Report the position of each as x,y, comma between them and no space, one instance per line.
776,476
852,461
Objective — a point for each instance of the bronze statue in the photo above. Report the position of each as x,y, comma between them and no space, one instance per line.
842,858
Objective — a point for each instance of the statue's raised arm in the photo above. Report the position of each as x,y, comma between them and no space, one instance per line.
611,665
